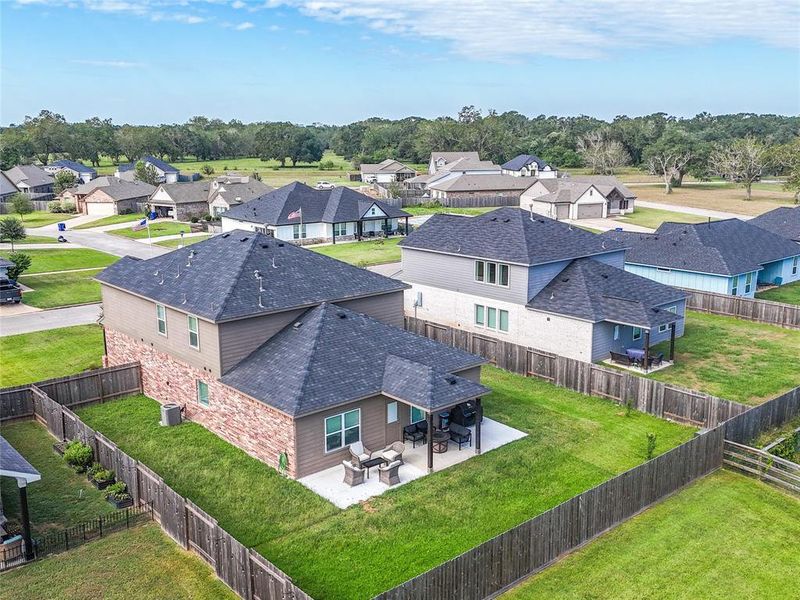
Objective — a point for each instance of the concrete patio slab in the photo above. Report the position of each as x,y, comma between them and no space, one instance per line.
638,370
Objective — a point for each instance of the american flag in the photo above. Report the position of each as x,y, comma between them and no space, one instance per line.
140,225
298,214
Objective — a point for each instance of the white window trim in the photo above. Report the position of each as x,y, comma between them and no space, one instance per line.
485,324
208,393
189,330
159,320
497,266
301,231
616,332
634,336
342,430
795,261
748,282
392,413
663,328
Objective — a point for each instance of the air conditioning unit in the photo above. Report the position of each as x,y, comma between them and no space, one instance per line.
170,415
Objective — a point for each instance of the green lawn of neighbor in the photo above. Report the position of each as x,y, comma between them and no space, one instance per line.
40,218
788,294
725,536
574,442
110,220
45,261
734,359
30,357
61,498
157,229
187,241
433,210
61,289
363,254
141,562
34,239
653,217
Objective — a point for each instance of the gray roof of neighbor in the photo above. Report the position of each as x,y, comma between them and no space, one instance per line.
156,162
339,205
235,192
331,355
604,183
728,247
387,166
120,189
13,464
595,291
188,192
215,279
451,156
6,185
482,183
510,235
32,175
783,221
73,165
523,160
564,191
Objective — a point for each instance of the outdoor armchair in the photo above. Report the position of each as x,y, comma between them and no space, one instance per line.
393,452
460,434
359,454
389,474
352,475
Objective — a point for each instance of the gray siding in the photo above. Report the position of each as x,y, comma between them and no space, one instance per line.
541,275
615,259
386,307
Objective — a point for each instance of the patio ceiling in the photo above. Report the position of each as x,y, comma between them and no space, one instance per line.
13,464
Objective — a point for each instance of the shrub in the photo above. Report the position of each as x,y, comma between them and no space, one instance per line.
68,206
208,218
194,220
22,263
54,206
786,449
103,475
207,169
126,211
95,468
651,445
327,165
78,455
117,491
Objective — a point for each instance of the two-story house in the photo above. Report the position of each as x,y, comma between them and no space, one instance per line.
80,171
288,354
529,165
165,172
536,282
725,257
31,180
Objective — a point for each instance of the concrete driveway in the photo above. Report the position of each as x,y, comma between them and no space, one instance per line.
703,212
49,319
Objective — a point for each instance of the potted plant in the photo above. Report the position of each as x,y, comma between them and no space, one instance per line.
78,455
92,470
102,479
117,494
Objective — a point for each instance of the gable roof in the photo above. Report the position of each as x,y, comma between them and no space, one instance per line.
595,291
510,235
565,191
331,355
13,464
186,192
466,164
234,191
387,166
481,183
339,205
6,185
451,156
73,165
783,221
728,247
121,189
30,175
523,160
156,162
604,183
215,279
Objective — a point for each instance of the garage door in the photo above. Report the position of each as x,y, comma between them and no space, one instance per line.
562,211
100,209
590,211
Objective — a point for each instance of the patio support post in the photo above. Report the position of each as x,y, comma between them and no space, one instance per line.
672,343
646,350
430,442
406,229
478,419
26,519
333,227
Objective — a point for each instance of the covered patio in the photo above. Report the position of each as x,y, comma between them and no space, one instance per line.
644,360
13,464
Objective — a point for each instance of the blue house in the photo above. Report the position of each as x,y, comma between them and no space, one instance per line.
726,257
81,172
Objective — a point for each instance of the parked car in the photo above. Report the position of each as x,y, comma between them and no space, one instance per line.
325,185
9,292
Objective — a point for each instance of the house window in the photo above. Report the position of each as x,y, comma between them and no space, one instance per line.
342,430
161,316
493,318
748,283
340,229
391,412
637,333
503,275
623,205
194,332
504,320
663,328
735,288
794,265
480,314
491,272
616,332
417,414
479,270
299,232
202,393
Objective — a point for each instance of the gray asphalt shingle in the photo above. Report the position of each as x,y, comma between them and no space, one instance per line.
783,221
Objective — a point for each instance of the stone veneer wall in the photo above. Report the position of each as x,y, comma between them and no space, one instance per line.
256,428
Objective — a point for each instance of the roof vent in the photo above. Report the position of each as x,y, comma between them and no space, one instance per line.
265,246
565,279
450,379
604,276
493,219
244,239
280,244
297,325
225,235
341,315
506,220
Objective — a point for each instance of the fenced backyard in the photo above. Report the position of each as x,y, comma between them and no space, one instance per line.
763,465
401,197
761,311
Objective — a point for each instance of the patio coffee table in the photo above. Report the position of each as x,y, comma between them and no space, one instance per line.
440,441
372,462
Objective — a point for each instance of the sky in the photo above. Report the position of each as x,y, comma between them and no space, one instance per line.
332,61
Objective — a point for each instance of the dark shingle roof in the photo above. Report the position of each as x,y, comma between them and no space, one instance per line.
13,464
332,355
31,175
523,160
156,162
783,221
220,283
187,192
595,291
75,166
338,205
482,183
604,183
728,247
116,188
509,235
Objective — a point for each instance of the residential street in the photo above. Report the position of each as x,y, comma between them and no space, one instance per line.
112,244
703,212
49,319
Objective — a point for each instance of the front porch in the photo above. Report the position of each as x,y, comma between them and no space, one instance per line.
330,483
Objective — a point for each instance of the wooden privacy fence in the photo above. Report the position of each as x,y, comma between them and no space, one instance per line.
647,395
763,311
765,466
89,387
745,427
499,563
248,573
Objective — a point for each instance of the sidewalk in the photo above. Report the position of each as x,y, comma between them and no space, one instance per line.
49,319
703,212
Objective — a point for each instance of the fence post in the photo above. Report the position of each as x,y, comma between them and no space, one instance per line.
66,539
100,385
101,525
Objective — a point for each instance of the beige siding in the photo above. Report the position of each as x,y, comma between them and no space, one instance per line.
386,307
136,317
473,374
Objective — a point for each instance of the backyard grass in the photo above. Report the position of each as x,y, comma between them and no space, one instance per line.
34,239
725,536
653,217
186,241
61,498
46,261
40,218
110,220
364,254
31,357
61,289
789,294
718,196
574,442
433,210
141,562
734,359
157,229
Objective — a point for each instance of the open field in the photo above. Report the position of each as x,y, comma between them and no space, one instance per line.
186,241
574,442
40,218
788,294
363,254
61,289
724,536
45,261
653,217
110,220
433,210
734,359
31,357
719,196
157,229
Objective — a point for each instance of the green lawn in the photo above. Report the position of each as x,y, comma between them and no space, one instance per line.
141,562
110,220
61,289
653,217
734,359
45,261
31,357
574,443
433,210
789,293
157,229
725,536
35,239
40,218
364,254
186,241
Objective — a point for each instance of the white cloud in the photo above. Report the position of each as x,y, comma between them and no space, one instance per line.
117,64
238,4
244,26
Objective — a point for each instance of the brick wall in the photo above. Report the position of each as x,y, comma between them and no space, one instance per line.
256,428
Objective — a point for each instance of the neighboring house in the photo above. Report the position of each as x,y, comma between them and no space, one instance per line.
81,172
467,164
117,197
386,172
466,186
31,180
303,215
439,160
590,197
783,221
288,354
181,201
725,257
535,282
619,198
529,165
7,187
231,190
166,172
77,193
